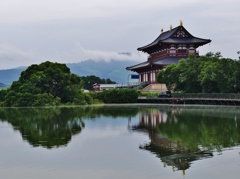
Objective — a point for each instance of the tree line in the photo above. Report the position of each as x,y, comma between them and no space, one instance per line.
52,84
210,73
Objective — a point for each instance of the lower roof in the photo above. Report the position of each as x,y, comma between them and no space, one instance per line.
157,62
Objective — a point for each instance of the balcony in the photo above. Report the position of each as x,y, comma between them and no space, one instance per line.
167,53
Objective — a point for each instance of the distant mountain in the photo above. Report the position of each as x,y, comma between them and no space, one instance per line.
2,85
114,70
10,75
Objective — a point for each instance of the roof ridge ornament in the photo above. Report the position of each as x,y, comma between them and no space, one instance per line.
170,27
161,31
181,23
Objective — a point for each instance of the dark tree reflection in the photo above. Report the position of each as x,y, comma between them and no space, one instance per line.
46,127
54,127
180,135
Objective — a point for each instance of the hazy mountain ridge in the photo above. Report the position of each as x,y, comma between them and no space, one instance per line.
10,75
114,70
2,85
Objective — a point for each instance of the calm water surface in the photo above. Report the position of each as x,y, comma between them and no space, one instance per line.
125,141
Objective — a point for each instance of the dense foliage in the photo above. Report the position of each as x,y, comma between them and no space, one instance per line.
51,84
117,96
208,74
46,84
2,96
90,80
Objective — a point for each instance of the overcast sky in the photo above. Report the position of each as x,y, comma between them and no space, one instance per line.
69,31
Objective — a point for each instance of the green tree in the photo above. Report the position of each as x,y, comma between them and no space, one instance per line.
2,96
117,96
46,84
188,77
169,76
210,73
183,76
208,77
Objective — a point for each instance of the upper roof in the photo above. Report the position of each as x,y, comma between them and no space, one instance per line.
178,35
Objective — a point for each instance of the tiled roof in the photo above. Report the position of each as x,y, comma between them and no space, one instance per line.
169,37
158,62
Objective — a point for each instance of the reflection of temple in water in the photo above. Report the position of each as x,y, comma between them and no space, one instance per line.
152,119
170,152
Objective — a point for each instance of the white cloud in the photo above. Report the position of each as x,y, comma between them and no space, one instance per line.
80,54
12,57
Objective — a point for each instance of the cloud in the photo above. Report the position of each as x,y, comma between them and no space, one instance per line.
29,10
80,54
50,28
12,57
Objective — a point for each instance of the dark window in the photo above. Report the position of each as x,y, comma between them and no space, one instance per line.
182,51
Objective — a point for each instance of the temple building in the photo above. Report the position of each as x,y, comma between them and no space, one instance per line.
168,48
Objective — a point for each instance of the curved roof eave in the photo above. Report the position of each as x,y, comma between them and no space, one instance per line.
159,62
140,65
161,37
193,40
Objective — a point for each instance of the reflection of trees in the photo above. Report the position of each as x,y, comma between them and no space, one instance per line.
188,134
208,129
54,127
171,144
47,127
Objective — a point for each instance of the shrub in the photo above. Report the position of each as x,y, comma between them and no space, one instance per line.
117,96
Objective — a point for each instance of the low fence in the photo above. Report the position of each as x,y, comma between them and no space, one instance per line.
195,98
207,95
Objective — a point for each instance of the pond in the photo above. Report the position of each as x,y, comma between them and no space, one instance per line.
120,141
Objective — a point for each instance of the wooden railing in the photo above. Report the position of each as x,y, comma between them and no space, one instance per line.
235,96
207,95
166,53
